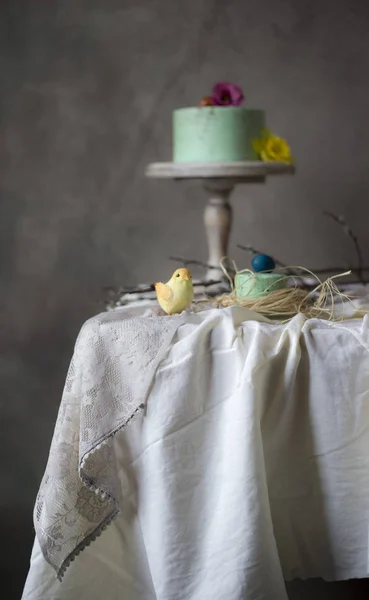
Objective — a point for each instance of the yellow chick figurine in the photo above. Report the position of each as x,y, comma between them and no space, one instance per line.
177,294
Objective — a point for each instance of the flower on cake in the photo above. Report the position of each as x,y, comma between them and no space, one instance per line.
223,94
270,147
227,94
206,101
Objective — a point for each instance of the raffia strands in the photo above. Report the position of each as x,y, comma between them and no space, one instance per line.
319,302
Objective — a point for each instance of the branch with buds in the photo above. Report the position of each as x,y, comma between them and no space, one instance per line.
359,270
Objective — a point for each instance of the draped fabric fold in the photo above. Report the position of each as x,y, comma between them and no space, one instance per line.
110,374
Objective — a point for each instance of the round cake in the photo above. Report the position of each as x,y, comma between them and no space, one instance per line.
216,133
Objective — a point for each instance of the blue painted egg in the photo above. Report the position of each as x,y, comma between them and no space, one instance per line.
262,262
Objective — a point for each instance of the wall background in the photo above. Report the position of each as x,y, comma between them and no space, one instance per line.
87,88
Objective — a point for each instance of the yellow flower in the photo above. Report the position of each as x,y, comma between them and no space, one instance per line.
270,147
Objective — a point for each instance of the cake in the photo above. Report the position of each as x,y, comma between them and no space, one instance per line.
219,129
216,133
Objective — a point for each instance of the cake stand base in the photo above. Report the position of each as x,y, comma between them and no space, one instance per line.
218,223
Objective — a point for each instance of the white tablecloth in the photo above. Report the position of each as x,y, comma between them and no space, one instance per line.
249,466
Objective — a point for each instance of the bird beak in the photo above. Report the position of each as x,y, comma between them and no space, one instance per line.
186,277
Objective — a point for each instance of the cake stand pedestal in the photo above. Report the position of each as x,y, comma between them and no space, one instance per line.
218,180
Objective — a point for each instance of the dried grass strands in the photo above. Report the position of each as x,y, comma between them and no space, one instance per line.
284,304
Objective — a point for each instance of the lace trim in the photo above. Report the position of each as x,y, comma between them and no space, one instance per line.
104,495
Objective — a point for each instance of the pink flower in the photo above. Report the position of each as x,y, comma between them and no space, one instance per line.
227,94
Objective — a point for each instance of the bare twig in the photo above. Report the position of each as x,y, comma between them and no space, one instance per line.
191,261
357,271
254,251
151,288
353,237
144,289
340,270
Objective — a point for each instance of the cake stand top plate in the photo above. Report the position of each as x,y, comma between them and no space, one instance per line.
199,170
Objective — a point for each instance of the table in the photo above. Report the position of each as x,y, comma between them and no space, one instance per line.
241,459
218,179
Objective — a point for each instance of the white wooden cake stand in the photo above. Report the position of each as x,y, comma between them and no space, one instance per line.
218,180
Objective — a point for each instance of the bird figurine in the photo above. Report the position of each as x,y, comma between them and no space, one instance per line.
177,294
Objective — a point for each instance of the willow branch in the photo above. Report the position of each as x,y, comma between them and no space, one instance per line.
279,263
356,270
191,261
353,237
151,288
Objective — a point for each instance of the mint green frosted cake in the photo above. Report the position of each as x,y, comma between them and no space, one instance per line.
216,133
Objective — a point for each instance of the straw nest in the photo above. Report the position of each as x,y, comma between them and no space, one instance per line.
320,299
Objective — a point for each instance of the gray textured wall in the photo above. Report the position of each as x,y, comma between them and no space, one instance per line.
86,93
